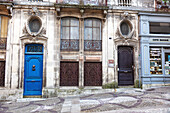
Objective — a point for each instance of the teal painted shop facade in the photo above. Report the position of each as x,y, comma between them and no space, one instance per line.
155,49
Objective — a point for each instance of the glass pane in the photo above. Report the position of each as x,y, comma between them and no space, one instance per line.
96,23
65,32
167,63
96,34
34,25
65,22
4,26
124,28
74,22
88,23
74,33
155,60
159,28
34,48
88,34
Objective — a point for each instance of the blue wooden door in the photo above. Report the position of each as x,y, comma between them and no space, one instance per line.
33,70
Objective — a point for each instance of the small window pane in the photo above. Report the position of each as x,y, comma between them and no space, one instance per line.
96,34
34,25
65,33
96,23
159,28
65,22
88,34
74,33
88,23
124,28
74,22
4,26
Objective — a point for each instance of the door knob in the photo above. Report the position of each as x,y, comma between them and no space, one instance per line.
33,68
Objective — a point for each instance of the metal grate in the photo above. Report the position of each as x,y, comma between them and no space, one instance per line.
92,45
124,2
69,73
2,73
69,44
93,74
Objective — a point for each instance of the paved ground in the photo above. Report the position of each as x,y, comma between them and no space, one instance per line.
155,100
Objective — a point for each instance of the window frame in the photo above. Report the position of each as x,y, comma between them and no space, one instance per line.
93,40
70,41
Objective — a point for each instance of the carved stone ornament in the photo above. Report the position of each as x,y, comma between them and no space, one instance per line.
125,29
34,26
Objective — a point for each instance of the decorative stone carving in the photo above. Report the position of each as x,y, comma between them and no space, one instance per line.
34,26
125,29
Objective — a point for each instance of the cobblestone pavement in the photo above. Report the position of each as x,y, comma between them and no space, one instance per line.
155,100
53,105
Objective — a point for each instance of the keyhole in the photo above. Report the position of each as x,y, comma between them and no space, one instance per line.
33,68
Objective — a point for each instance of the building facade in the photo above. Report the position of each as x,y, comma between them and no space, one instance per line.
5,15
155,49
75,44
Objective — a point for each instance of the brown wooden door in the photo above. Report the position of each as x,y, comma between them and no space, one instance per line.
125,66
92,74
69,73
2,73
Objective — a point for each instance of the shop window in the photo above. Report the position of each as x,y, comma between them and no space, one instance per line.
92,35
167,63
3,31
124,2
159,28
70,34
155,60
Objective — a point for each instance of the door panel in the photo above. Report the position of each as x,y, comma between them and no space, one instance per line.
92,74
69,73
33,74
125,65
2,73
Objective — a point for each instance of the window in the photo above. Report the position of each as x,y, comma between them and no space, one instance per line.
34,25
92,36
124,27
3,31
167,63
155,60
124,2
159,28
70,34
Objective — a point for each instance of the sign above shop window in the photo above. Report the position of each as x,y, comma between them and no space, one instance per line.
160,40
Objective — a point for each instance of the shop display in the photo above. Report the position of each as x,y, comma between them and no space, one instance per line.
167,63
155,61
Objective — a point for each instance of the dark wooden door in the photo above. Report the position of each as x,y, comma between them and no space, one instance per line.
69,73
2,73
125,66
93,74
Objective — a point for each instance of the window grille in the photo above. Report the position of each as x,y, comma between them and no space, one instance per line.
124,2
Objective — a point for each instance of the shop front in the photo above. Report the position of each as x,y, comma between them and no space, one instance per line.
155,49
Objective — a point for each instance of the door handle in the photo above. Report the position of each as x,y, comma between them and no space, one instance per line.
125,71
33,68
32,80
